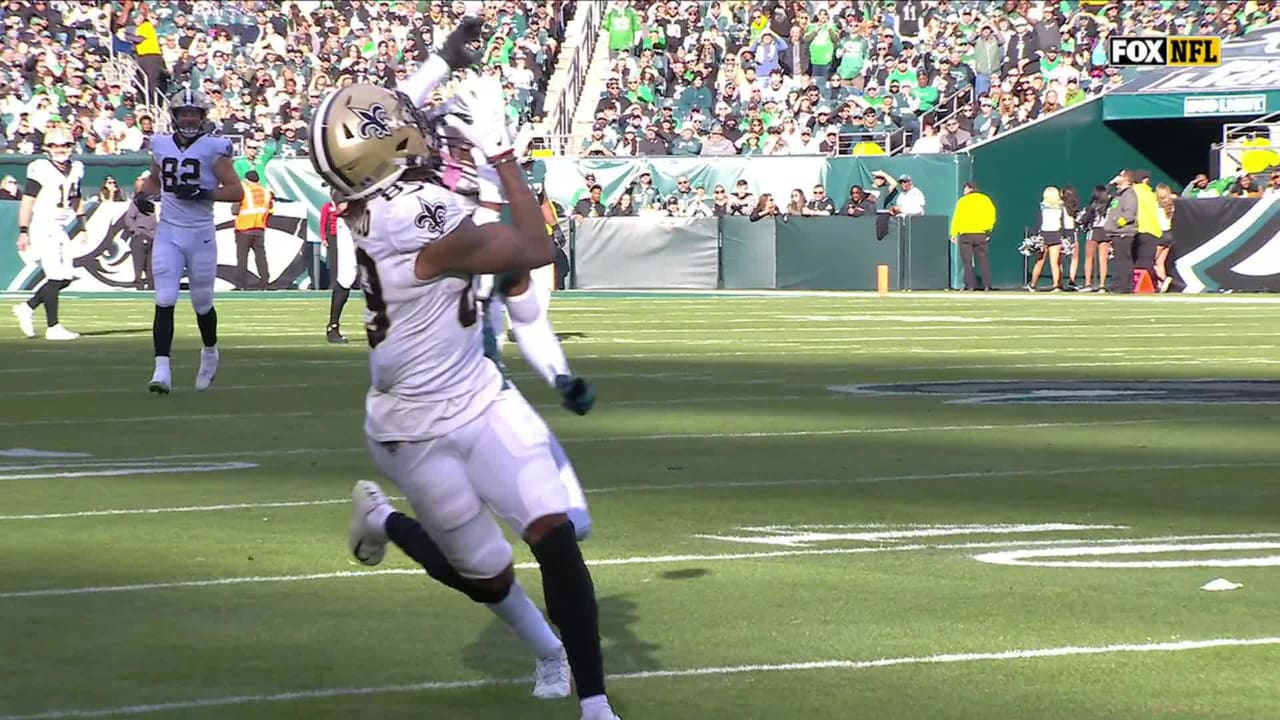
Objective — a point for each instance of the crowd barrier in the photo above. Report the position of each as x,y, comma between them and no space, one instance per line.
809,253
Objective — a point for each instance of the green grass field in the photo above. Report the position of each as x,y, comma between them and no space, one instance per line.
764,546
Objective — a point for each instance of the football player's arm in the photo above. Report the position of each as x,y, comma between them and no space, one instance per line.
523,245
151,186
541,348
229,187
25,209
454,55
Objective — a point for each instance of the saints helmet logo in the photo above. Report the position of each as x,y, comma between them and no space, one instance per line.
431,218
373,122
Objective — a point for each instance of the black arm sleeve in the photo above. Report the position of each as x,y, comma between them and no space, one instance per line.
32,188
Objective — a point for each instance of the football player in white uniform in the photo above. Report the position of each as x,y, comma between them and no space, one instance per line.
514,294
190,170
437,421
51,202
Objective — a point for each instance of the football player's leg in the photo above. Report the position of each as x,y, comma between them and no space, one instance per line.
343,269
167,265
488,297
512,467
55,260
202,271
456,539
578,512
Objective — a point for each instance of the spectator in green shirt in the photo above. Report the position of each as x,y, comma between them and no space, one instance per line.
623,24
256,156
925,93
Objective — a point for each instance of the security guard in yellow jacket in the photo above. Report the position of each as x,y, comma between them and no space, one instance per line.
1149,232
971,225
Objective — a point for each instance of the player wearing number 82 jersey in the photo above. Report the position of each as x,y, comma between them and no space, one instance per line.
436,420
190,171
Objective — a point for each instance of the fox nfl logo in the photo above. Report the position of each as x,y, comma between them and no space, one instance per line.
1165,51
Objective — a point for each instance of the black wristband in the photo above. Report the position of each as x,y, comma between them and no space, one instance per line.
22,229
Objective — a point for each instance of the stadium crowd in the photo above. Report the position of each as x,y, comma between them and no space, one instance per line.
262,66
779,77
687,77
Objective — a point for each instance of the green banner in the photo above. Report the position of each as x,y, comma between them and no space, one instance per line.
1189,105
644,253
939,177
124,168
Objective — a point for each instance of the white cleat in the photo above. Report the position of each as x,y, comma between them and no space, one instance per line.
602,713
26,320
160,383
58,332
368,544
208,368
551,677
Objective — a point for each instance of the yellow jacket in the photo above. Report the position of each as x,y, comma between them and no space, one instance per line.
1148,210
975,214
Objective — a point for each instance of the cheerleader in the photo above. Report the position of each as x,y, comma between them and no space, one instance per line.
1164,201
1052,221
1071,210
1096,244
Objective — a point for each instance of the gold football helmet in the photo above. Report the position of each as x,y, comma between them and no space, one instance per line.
363,137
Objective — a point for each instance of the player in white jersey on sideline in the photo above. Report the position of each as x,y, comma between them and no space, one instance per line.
437,421
51,201
190,171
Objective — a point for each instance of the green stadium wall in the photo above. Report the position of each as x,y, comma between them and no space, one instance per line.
1071,148
792,255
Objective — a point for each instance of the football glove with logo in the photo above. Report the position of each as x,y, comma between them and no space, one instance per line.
192,192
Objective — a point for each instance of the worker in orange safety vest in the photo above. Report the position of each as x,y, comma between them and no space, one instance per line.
252,214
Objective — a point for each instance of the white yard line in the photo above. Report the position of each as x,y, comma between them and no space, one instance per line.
129,471
707,671
173,418
622,438
1112,350
671,487
849,338
605,562
100,390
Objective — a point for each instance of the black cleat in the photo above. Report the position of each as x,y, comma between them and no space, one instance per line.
334,336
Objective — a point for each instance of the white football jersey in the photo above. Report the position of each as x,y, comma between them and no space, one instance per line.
190,165
57,193
429,371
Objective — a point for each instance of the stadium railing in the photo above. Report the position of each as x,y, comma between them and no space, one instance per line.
559,114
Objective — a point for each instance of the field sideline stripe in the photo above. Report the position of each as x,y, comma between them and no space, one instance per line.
976,474
710,671
258,454
599,562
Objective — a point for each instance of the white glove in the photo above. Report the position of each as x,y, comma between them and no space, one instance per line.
523,138
480,116
487,178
